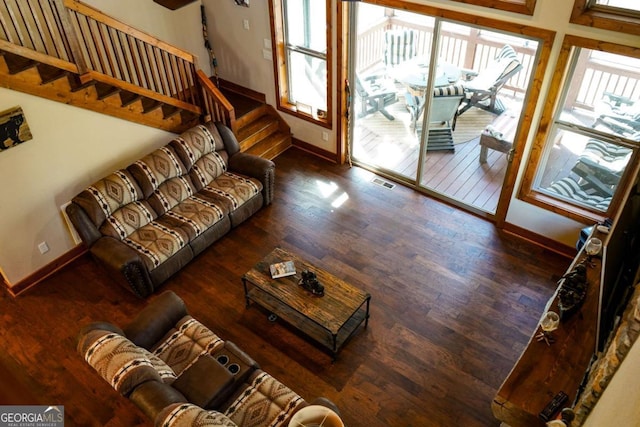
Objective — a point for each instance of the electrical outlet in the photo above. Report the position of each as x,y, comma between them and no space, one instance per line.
43,248
266,43
245,24
325,135
266,54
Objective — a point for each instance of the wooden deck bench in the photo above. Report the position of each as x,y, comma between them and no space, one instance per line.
499,135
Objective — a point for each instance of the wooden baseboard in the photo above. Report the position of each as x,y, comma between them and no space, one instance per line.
249,93
46,271
305,146
542,241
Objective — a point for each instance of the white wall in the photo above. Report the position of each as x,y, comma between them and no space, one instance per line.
181,27
72,147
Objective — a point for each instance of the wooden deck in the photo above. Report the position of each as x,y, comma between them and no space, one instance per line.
393,146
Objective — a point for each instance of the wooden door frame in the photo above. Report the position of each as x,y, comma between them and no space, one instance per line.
545,37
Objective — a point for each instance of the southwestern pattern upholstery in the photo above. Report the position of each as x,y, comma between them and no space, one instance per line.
146,221
188,415
266,401
180,373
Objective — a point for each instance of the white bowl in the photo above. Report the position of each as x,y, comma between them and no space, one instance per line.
315,416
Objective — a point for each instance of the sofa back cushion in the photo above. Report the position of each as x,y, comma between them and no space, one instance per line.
154,169
196,142
202,151
128,219
207,168
163,179
185,343
106,196
120,362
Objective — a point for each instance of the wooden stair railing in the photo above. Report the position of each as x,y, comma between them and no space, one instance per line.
215,105
66,38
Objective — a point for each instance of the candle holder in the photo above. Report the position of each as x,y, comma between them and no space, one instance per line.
548,324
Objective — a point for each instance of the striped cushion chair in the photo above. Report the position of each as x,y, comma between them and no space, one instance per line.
602,164
570,189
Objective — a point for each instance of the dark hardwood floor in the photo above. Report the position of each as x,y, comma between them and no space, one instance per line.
453,304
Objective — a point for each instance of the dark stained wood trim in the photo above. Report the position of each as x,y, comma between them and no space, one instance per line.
46,271
526,7
327,155
249,93
582,15
540,240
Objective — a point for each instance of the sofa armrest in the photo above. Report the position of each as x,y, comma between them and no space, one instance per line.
121,259
87,230
204,382
154,396
156,319
256,167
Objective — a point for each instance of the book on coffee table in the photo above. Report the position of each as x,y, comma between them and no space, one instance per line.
282,269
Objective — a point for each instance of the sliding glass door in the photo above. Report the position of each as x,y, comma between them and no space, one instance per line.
437,103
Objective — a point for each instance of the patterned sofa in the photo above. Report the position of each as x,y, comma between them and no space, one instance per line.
146,221
180,373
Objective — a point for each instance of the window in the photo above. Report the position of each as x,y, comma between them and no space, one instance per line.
589,142
301,30
519,6
615,15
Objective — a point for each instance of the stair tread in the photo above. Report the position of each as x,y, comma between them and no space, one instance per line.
255,126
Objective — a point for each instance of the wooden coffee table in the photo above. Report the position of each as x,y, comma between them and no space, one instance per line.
330,319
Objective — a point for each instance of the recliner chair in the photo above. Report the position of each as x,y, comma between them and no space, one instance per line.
169,364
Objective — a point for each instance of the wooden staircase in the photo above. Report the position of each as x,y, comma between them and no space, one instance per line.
262,132
258,127
69,52
64,86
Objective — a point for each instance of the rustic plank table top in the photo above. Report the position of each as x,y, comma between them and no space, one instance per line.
339,312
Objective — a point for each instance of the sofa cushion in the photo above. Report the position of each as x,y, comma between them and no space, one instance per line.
235,189
104,197
197,142
189,415
265,402
170,193
128,219
184,344
194,215
156,242
123,364
207,168
156,168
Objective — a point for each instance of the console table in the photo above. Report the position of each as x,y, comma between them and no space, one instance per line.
543,370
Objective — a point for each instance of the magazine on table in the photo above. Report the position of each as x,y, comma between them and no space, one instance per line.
282,269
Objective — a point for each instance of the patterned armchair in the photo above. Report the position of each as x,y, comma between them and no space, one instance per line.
177,371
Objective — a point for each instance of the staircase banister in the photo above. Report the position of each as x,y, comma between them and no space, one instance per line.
34,55
221,101
143,92
99,16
